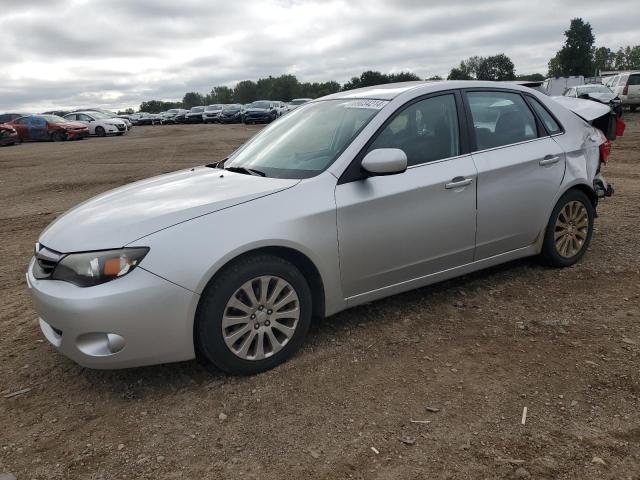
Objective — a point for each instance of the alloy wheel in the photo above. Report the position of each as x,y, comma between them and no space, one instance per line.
261,317
571,229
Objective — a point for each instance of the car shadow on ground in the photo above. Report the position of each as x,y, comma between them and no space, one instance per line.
160,380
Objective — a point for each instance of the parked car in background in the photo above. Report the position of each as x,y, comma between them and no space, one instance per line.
98,123
230,113
335,197
281,107
8,135
48,127
194,115
169,116
261,111
8,117
627,87
143,118
211,113
181,116
597,93
296,102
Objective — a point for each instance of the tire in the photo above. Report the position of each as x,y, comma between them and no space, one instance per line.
575,210
59,137
100,132
214,343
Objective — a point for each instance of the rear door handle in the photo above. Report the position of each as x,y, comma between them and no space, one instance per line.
458,182
549,160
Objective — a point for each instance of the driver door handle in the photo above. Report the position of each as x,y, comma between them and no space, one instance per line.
549,160
458,182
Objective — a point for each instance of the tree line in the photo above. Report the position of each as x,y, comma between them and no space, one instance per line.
578,56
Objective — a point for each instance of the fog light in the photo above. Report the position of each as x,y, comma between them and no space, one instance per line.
100,344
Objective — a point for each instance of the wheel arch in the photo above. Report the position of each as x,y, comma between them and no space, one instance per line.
301,261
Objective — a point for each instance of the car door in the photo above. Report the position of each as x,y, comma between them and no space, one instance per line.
20,124
38,129
396,228
520,168
88,121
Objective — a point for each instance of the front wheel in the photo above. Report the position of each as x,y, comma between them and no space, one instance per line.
569,230
59,137
253,316
101,132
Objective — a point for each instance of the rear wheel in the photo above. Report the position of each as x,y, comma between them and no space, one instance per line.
253,316
569,230
100,132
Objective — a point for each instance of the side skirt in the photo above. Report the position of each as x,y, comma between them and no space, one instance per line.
441,276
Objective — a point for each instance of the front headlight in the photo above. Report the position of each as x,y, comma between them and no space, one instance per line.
94,268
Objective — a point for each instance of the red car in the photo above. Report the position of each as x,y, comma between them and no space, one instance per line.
8,135
48,127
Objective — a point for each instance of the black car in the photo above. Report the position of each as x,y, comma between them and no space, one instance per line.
181,117
194,115
261,111
230,113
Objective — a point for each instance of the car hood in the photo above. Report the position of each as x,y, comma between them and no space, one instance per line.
118,217
257,110
115,121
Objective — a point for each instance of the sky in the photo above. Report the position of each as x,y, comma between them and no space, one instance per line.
117,53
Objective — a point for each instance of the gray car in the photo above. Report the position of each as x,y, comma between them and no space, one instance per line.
347,199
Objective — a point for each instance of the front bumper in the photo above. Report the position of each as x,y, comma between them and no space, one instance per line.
9,138
76,134
139,319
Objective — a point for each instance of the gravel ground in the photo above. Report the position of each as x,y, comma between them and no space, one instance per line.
427,384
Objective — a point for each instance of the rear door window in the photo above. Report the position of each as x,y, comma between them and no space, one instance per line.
549,122
500,118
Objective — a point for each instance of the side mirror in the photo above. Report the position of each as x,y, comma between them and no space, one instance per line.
385,161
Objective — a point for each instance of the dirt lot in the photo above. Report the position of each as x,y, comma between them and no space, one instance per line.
563,343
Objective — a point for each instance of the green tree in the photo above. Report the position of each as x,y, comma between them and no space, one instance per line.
575,56
603,59
245,91
531,77
497,68
192,99
434,78
459,73
402,77
221,94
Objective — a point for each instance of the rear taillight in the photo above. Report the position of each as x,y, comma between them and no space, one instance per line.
625,90
620,126
605,151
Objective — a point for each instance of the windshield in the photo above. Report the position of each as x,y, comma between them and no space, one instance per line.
231,108
306,141
99,115
260,104
213,107
593,88
54,118
197,109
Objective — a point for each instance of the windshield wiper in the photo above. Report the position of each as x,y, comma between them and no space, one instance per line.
219,164
246,171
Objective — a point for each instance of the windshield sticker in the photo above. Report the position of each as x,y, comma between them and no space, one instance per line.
372,104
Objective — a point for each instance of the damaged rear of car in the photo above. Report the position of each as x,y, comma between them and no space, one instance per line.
607,125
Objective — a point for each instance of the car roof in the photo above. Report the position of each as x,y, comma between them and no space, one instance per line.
390,91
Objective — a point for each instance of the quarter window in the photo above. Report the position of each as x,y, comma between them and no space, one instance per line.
500,118
549,122
426,131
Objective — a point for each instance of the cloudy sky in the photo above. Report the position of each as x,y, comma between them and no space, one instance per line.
116,53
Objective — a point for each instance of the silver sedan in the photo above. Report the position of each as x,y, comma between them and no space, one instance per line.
347,199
